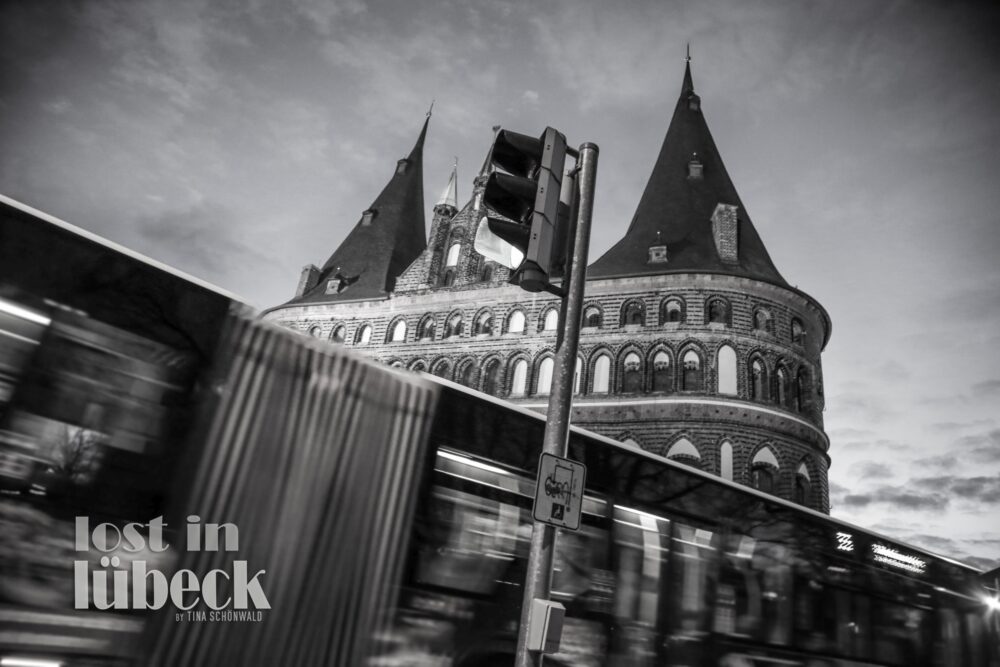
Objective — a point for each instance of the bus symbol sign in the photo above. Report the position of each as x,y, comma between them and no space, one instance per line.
559,492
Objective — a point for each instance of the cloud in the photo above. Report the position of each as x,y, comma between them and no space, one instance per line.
959,426
850,433
989,387
873,446
898,497
981,489
200,240
870,469
941,462
530,97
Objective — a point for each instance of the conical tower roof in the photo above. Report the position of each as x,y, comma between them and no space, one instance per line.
389,236
449,197
677,207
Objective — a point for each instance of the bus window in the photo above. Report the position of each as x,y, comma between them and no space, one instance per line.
641,542
753,592
950,648
974,639
694,562
582,583
580,558
898,633
471,540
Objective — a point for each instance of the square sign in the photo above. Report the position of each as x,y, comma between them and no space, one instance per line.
559,492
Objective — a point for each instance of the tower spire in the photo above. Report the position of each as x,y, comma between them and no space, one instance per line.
687,87
389,235
692,202
449,197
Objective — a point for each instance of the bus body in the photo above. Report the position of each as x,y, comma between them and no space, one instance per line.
386,515
418,546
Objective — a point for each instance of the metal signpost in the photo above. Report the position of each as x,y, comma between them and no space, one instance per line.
538,580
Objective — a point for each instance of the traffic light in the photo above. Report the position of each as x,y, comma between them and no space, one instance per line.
526,194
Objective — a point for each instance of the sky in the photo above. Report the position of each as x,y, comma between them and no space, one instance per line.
240,140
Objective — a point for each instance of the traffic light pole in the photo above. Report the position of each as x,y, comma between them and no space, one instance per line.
538,580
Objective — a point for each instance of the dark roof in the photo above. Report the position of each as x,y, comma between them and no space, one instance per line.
680,209
382,244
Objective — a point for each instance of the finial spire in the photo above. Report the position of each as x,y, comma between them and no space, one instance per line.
688,87
449,197
431,109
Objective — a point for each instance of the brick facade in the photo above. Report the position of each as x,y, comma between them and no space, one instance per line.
654,419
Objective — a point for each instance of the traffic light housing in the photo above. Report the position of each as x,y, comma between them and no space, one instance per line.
526,193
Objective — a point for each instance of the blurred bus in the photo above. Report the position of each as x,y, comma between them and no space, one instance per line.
386,514
388,547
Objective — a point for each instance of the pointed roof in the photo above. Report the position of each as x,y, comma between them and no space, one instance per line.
679,208
389,236
449,197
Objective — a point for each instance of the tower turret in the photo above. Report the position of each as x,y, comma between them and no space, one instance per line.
389,235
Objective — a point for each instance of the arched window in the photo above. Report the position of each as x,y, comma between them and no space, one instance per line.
486,274
551,320
802,485
491,377
515,323
692,378
683,447
781,386
315,331
364,335
662,377
758,381
577,373
602,374
764,470
453,327
631,442
467,375
544,384
418,366
592,317
338,334
633,313
726,463
673,311
519,378
727,370
442,369
453,252
801,390
762,321
718,311
398,332
484,325
425,330
798,332
632,373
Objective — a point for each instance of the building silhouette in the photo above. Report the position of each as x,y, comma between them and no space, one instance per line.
693,345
